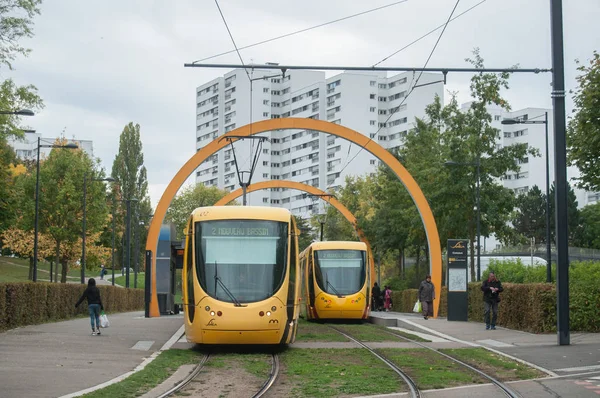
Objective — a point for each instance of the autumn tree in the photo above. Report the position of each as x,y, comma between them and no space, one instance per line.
129,171
188,199
583,131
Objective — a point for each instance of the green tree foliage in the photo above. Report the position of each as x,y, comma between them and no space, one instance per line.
583,134
130,173
530,216
588,232
8,199
61,201
187,200
572,213
17,23
307,234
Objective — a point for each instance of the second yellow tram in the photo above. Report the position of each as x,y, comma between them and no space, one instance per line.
337,280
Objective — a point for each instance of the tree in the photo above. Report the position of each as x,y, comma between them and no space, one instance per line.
129,170
189,199
307,234
8,200
572,213
60,201
583,133
588,232
17,23
530,218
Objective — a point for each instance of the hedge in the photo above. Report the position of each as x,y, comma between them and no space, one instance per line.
527,307
27,303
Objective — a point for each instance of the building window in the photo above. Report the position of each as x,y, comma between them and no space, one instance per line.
265,102
265,114
372,122
372,109
372,161
265,175
371,96
265,200
265,90
372,83
496,117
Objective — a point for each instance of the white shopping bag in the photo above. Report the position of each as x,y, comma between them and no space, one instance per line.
417,307
104,323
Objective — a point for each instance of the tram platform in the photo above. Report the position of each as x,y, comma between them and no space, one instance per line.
63,358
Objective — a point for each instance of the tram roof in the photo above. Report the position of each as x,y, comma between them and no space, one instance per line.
339,245
241,212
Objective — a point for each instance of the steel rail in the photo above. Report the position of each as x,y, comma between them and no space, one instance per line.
414,389
179,386
272,377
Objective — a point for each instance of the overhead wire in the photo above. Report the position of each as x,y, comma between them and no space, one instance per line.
301,30
406,97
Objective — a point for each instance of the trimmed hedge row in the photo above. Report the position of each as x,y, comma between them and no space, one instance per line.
28,303
527,307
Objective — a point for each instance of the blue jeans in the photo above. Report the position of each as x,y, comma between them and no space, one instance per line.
94,315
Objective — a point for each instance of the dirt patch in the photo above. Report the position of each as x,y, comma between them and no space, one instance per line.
226,378
283,385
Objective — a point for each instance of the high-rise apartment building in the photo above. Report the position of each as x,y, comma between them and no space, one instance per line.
26,147
370,103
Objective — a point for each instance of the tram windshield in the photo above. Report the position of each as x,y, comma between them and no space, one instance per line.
340,272
241,261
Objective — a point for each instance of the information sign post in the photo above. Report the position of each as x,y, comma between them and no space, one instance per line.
458,303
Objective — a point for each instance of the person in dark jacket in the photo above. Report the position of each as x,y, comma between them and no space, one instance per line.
491,297
376,297
426,296
92,294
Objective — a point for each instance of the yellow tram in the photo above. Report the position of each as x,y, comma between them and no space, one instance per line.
337,280
241,276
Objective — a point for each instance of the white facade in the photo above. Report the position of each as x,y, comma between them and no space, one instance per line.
26,148
360,101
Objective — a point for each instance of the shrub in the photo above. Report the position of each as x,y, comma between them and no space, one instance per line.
28,303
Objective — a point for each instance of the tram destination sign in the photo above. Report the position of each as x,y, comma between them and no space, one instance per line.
247,229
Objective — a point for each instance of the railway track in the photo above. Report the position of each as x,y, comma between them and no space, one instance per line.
505,389
196,371
412,386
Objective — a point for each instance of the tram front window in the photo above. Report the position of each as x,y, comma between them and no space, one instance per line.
340,272
245,257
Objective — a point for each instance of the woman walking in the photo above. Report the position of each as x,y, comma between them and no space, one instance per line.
92,294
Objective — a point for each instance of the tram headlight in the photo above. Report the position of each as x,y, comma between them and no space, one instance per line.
273,308
219,313
207,308
268,313
261,313
212,313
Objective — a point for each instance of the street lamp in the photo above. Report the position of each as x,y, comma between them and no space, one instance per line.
477,165
20,112
109,179
37,199
548,243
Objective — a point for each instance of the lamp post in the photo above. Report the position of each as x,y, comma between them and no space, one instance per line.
478,208
109,179
112,253
20,112
548,242
128,240
37,200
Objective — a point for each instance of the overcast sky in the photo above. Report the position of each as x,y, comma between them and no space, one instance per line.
101,65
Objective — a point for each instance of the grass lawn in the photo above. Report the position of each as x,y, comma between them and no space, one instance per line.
13,269
367,332
336,372
152,375
120,280
430,370
498,366
313,331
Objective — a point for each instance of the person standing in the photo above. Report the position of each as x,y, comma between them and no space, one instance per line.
376,294
92,294
102,271
426,296
388,298
491,288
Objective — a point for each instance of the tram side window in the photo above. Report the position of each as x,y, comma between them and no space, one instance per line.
190,273
293,265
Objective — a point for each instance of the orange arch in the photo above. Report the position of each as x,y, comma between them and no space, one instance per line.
312,190
355,137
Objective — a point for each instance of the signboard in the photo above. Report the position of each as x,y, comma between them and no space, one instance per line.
457,279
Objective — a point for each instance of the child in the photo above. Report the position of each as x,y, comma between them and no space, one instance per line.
92,294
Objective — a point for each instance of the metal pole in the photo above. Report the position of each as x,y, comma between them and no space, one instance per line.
244,186
478,226
136,250
128,244
322,224
548,241
560,174
113,239
83,232
37,209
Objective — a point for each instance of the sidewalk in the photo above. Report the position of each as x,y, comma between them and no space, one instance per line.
56,359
